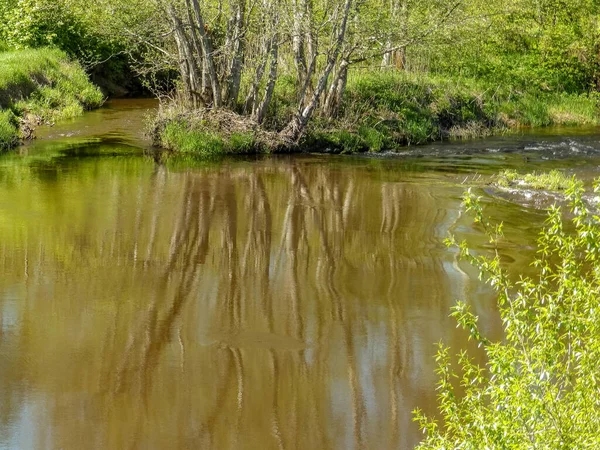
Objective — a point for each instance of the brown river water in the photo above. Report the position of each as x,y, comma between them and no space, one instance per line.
288,302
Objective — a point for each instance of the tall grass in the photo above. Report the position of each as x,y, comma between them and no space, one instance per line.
43,83
180,136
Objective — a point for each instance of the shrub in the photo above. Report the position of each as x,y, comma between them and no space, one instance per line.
37,23
540,387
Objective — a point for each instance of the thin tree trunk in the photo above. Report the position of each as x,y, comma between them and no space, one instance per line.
237,59
298,44
203,88
208,55
264,106
250,103
187,63
297,125
337,89
399,14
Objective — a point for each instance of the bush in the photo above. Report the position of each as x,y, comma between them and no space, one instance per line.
384,110
540,387
40,23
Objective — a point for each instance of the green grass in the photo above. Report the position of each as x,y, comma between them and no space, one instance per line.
178,135
548,181
9,134
184,137
383,111
43,83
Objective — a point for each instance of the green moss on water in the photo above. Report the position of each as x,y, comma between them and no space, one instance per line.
548,181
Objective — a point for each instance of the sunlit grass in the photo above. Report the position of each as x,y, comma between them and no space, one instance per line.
43,83
183,137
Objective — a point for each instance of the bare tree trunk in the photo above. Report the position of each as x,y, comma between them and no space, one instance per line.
306,89
399,15
297,125
298,43
264,106
208,55
234,78
250,103
311,40
187,62
400,54
336,90
203,88
393,8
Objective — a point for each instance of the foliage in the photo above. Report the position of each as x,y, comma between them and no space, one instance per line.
74,26
540,386
382,111
38,23
550,181
543,45
352,75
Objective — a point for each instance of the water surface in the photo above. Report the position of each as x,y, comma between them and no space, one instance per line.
262,303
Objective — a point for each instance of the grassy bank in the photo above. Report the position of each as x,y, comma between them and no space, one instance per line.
37,86
384,111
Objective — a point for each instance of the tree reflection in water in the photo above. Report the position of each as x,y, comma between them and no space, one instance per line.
282,305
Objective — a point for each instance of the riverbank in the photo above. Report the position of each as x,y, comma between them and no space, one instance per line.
381,112
40,86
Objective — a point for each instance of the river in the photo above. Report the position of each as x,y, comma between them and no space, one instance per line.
283,302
